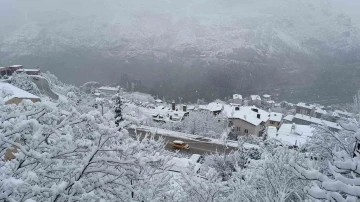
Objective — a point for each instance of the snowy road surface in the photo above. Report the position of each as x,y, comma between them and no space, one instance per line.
44,86
196,147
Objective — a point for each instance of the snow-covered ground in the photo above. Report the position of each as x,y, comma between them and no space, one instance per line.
290,134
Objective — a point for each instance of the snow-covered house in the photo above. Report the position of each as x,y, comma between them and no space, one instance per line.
288,119
343,114
308,120
213,107
270,103
274,119
9,70
29,71
158,101
140,97
4,71
107,90
14,95
265,98
255,100
310,110
246,120
291,134
165,114
237,99
14,68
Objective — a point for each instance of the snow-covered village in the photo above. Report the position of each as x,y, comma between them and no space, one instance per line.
60,142
179,101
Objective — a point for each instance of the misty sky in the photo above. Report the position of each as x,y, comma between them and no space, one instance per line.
306,18
120,11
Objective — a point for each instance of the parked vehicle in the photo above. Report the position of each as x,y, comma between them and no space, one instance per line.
196,158
178,144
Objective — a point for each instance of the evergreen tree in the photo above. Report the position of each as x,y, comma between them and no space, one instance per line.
118,110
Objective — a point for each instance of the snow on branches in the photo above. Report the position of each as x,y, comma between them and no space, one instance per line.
65,155
23,81
341,181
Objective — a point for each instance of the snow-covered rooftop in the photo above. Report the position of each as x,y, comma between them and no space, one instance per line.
318,108
213,107
246,113
16,92
304,105
27,70
237,96
15,66
317,121
108,88
270,102
255,97
275,116
266,96
320,111
289,118
343,113
291,134
158,101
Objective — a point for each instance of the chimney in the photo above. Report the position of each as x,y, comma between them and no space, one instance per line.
258,116
255,110
173,106
184,108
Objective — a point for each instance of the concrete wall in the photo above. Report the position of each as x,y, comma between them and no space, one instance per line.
16,100
253,130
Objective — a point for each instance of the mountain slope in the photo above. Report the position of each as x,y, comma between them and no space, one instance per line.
257,29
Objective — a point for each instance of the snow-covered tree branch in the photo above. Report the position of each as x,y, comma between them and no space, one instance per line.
340,182
65,155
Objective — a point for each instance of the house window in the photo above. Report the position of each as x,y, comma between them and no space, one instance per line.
272,122
238,129
246,131
298,110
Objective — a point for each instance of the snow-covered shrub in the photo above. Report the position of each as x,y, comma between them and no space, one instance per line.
203,187
268,179
227,164
66,155
339,180
201,123
340,183
324,142
23,81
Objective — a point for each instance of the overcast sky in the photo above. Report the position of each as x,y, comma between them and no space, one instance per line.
47,10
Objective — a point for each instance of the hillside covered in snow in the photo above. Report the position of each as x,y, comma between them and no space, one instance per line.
284,35
205,29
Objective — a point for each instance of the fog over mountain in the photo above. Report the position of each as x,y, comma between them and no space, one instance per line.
191,48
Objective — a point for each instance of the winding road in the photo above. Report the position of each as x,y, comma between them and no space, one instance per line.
44,86
196,147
